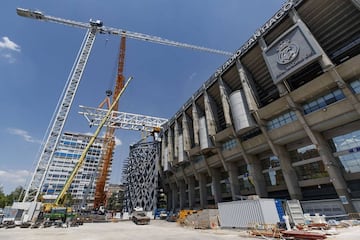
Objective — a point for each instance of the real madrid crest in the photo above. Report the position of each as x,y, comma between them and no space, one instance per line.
287,51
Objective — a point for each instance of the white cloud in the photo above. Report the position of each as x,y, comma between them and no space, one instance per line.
9,57
7,46
10,179
24,134
118,142
6,43
192,76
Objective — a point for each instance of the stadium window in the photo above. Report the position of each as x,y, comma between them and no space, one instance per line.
281,120
323,101
355,85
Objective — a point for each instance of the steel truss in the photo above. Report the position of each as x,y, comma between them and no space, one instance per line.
128,121
58,121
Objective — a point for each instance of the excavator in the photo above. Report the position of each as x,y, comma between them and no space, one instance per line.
57,210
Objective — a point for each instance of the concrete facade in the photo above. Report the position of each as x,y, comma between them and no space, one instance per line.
67,154
279,119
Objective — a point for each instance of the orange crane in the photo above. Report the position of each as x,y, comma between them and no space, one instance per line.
105,164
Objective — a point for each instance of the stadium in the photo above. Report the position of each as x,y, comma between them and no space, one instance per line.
279,119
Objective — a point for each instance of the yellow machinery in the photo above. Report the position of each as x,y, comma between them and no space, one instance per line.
183,214
56,210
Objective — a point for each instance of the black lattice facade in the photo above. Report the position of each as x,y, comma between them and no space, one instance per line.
140,176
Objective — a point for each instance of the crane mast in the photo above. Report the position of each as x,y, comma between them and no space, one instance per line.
100,196
64,104
57,124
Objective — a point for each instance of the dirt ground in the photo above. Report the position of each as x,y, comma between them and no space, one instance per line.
126,230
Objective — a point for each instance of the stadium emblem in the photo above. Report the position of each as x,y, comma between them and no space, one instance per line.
287,52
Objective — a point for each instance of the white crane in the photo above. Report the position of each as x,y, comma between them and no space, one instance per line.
64,104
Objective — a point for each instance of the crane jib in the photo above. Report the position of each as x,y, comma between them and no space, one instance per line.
114,31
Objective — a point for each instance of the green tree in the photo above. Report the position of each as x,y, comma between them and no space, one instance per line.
115,202
16,195
3,199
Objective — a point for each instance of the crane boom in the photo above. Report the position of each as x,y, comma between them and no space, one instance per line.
115,31
100,195
81,160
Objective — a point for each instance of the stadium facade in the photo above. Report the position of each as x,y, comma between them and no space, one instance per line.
279,119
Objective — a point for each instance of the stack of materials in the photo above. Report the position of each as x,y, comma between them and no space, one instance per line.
205,219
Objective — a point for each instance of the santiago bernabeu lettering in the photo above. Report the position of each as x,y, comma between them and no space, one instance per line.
284,9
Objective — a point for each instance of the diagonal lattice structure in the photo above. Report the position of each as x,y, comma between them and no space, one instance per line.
140,176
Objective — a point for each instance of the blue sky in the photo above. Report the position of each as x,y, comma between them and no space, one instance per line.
36,58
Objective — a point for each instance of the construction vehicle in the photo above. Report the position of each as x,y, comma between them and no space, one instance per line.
139,216
160,213
56,210
183,213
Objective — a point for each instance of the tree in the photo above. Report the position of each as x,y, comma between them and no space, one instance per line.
115,202
16,195
3,199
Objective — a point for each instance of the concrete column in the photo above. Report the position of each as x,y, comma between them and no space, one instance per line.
234,181
215,185
186,132
191,192
225,102
175,199
335,174
170,146
203,191
246,81
209,113
255,172
164,157
176,139
169,198
195,124
288,173
182,194
257,177
192,166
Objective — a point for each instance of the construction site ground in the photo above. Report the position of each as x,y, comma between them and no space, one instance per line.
157,229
